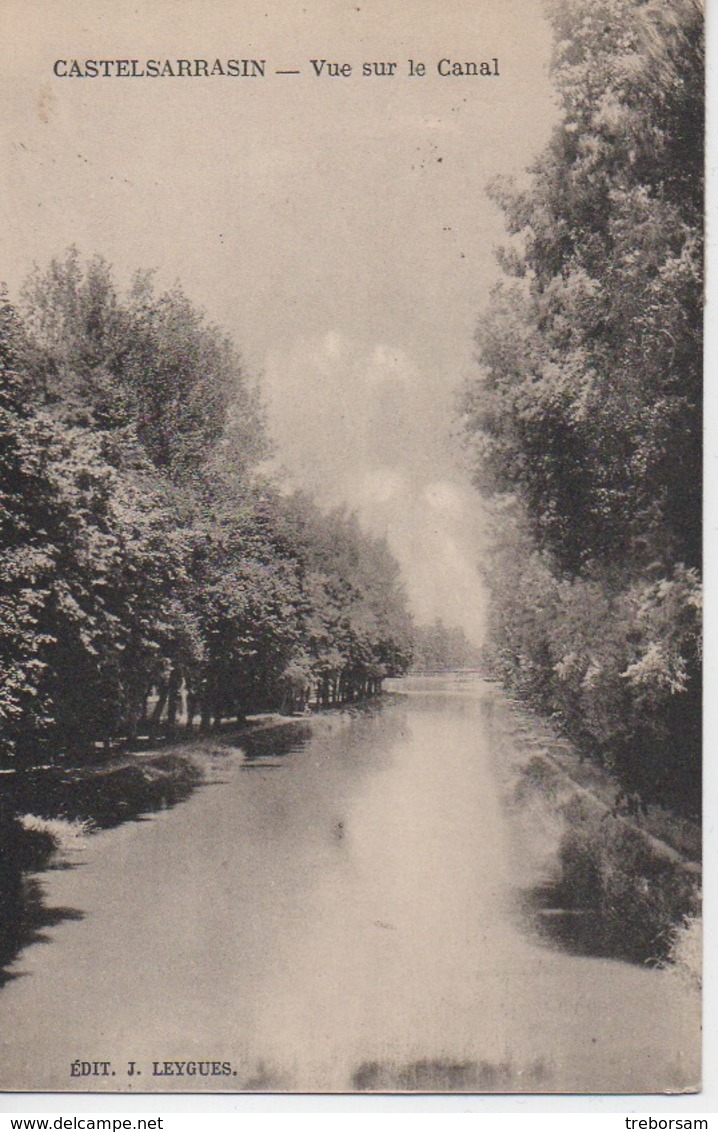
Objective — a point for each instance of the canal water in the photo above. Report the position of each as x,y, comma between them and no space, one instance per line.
341,907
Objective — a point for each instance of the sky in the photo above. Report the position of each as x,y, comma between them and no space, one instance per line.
336,227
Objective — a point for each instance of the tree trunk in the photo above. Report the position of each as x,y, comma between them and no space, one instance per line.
191,711
158,709
173,698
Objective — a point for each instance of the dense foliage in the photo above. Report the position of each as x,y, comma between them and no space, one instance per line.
148,574
439,647
585,418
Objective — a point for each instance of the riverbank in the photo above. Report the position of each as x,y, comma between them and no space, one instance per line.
606,881
48,812
350,902
119,787
611,877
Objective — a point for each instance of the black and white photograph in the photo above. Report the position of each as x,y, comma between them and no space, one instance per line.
351,362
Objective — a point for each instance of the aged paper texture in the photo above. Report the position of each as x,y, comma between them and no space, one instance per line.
350,504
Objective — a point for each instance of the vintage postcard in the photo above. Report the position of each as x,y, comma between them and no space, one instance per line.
350,509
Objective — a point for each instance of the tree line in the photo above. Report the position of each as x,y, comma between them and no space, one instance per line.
439,648
150,574
584,418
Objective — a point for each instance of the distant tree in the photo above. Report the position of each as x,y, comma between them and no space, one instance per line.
438,647
357,626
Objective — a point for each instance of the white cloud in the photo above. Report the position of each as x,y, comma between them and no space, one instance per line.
362,426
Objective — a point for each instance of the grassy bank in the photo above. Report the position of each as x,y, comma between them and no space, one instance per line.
47,812
611,879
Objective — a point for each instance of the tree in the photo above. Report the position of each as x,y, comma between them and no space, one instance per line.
148,367
590,398
587,409
357,627
439,646
144,559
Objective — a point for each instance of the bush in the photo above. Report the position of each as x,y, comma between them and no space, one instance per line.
639,896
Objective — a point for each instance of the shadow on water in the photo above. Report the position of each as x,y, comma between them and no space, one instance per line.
617,914
277,741
69,798
442,1075
106,796
23,912
578,931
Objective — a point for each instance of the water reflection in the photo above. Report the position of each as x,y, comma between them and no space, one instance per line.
442,1075
60,798
105,796
25,916
578,931
605,890
23,913
347,921
278,740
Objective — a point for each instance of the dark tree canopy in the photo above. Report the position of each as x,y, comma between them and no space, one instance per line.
586,413
145,564
589,403
146,364
439,647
